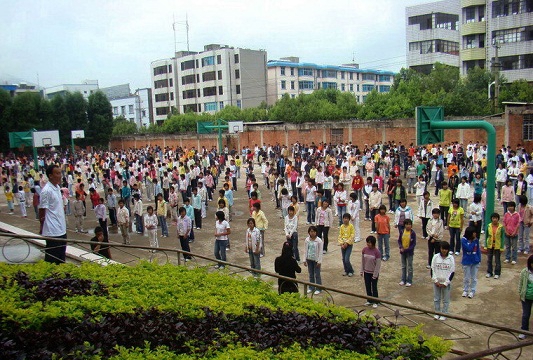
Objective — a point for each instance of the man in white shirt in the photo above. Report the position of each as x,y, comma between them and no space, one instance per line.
52,217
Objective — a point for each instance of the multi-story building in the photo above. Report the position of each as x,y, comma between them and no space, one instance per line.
86,88
290,76
15,89
135,107
208,81
485,30
432,34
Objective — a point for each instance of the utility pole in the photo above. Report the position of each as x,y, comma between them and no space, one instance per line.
496,72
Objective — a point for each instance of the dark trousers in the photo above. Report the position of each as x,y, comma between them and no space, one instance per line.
103,225
55,250
198,218
371,286
425,221
496,254
373,214
526,313
138,223
444,214
322,232
184,242
433,248
455,239
113,216
438,186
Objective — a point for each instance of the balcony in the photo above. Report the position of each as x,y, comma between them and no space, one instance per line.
473,28
473,54
468,3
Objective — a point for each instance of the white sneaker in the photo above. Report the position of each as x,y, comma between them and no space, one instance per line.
506,261
442,318
457,253
374,305
482,231
401,283
309,291
513,262
368,303
408,284
465,294
487,276
496,276
317,292
471,294
436,317
522,337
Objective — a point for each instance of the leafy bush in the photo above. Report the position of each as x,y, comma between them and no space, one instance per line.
162,312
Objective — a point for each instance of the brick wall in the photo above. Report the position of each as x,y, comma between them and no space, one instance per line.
508,131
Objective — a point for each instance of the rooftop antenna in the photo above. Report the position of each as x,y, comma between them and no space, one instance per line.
186,24
353,56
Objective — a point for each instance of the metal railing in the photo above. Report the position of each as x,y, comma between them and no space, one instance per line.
508,334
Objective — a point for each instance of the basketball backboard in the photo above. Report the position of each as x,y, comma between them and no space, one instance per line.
235,127
45,138
77,134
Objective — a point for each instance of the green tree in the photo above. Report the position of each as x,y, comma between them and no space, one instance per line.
122,126
100,120
60,120
77,111
519,91
24,112
230,113
46,115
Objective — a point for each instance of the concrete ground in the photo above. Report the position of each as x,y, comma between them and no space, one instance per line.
496,301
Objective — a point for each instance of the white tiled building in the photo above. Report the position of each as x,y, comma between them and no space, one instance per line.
432,34
290,76
135,107
481,26
209,80
86,88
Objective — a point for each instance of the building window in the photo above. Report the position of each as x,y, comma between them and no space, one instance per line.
237,74
131,119
292,71
367,87
189,94
369,77
209,76
210,91
172,96
186,65
282,69
220,90
305,85
190,108
219,74
162,110
351,76
337,136
293,96
329,85
351,87
283,85
210,106
509,7
510,35
115,110
470,14
384,77
189,79
329,74
238,89
343,87
239,104
161,70
208,60
292,85
342,75
221,105
161,97
123,110
236,58
130,109
384,88
357,87
219,59
159,84
305,72
527,127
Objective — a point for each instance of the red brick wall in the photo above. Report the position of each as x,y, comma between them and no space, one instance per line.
362,132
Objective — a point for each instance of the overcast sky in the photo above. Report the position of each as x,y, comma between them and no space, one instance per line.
114,41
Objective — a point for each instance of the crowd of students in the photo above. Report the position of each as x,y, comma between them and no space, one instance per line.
332,185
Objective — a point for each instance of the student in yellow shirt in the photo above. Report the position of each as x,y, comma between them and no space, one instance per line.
9,198
407,243
346,239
